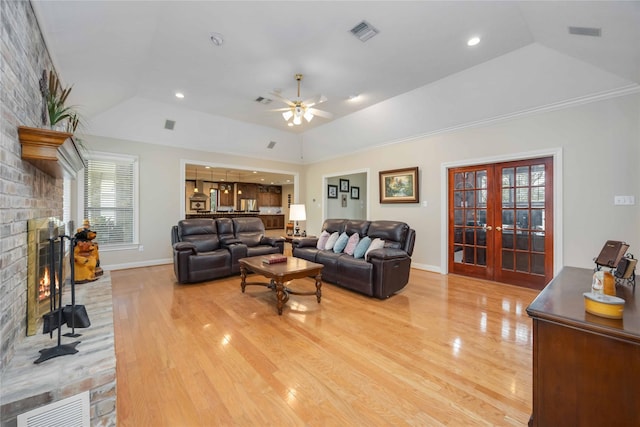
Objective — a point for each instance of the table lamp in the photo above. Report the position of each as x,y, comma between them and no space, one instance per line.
297,213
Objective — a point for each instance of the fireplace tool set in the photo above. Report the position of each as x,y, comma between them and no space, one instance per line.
75,316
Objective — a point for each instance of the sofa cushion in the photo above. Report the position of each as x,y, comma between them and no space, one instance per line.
356,274
322,240
361,247
357,226
202,232
331,241
249,230
394,233
375,244
351,244
341,243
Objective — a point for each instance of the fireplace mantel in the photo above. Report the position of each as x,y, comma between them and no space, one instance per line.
56,153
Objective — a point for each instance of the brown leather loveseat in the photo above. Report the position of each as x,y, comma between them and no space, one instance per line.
206,249
380,273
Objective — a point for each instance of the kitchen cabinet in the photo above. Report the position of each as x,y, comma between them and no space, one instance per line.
273,222
269,196
226,199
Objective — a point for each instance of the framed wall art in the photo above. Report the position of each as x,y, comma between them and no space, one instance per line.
344,185
332,191
399,186
355,192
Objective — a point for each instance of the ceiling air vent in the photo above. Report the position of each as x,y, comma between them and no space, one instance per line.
263,100
364,31
271,145
169,124
585,31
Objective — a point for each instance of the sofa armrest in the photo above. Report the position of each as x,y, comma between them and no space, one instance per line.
271,241
304,242
185,247
226,242
387,254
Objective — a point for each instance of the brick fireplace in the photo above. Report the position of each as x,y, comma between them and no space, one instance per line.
29,193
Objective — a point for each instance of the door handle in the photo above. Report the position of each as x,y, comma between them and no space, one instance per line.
498,228
488,227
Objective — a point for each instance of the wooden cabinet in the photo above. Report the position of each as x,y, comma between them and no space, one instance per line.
249,191
226,199
269,196
273,222
585,367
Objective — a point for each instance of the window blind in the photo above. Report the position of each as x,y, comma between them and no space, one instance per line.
109,202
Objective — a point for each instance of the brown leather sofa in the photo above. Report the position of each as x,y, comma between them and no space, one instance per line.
206,249
384,271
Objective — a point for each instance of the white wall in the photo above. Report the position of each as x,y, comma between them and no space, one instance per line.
600,144
161,186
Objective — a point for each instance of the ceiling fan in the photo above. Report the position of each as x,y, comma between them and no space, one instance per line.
298,109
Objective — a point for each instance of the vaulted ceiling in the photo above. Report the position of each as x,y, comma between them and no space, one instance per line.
128,59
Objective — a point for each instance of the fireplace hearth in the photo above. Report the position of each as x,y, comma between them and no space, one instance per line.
39,274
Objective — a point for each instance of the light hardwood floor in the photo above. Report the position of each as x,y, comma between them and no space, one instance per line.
447,350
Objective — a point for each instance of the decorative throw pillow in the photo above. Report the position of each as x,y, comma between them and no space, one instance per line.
341,243
375,244
351,244
362,247
322,240
331,241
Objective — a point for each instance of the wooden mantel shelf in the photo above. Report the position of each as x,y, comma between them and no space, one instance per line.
53,152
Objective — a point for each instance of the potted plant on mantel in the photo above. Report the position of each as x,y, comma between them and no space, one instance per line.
43,147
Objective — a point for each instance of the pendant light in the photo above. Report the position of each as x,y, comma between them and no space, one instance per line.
211,188
226,188
195,188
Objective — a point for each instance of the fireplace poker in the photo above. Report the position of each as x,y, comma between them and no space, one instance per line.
72,283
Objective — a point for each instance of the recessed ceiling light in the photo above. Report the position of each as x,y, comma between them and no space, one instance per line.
354,97
473,41
217,39
179,95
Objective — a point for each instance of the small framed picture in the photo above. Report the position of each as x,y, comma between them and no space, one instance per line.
344,185
332,191
355,192
344,200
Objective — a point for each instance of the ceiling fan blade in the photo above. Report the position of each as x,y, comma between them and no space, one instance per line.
283,99
320,113
318,99
281,109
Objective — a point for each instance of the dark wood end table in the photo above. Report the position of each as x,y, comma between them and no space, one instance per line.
280,273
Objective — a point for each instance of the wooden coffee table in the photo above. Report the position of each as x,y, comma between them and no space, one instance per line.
279,274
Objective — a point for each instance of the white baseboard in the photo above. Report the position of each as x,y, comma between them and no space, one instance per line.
426,267
149,263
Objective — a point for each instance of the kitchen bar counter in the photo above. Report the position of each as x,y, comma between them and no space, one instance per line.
271,221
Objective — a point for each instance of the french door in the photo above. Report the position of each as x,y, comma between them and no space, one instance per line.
501,222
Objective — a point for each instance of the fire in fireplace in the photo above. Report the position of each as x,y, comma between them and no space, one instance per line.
39,275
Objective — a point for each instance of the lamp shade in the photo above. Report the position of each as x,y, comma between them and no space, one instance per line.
297,213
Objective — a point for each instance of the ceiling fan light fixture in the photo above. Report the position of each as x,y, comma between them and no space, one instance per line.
287,115
308,116
297,120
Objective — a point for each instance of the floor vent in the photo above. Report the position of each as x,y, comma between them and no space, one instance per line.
70,412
